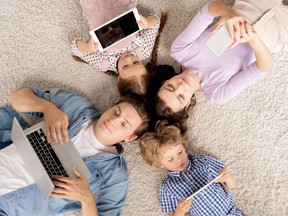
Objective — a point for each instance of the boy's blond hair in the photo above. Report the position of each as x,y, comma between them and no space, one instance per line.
164,135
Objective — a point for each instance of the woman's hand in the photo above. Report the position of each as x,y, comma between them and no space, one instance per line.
91,46
148,22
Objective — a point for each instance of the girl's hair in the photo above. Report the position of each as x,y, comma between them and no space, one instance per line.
140,104
151,143
141,86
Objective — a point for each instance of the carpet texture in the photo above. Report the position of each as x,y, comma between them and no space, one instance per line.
249,133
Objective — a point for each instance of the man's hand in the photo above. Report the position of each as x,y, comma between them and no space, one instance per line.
56,123
72,188
76,189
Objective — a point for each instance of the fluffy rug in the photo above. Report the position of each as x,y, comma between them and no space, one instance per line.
249,133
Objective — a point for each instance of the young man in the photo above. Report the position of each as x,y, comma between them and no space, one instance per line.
66,113
165,148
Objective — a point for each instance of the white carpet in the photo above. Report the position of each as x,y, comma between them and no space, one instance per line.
249,133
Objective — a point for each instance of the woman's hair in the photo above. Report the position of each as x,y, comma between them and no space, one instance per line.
176,118
140,104
141,86
165,135
159,110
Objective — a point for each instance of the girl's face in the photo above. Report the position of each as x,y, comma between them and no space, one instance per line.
176,92
174,158
130,66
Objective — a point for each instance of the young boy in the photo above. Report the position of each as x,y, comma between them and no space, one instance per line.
165,148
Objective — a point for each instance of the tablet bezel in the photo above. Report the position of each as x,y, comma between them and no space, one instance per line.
95,38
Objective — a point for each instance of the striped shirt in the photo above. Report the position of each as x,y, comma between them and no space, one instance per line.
215,200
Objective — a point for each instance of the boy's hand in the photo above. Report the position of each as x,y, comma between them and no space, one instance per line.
183,207
91,46
148,22
227,179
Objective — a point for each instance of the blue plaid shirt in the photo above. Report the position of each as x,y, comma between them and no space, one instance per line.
215,200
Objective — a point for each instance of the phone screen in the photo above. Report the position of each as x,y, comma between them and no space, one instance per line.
117,30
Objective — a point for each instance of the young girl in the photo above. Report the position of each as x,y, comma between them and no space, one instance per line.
220,78
165,148
124,58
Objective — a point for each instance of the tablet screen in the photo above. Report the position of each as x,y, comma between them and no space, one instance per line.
117,30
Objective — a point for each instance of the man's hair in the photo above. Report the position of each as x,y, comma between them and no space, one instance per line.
140,105
165,135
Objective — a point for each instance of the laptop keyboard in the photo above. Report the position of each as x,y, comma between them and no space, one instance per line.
46,153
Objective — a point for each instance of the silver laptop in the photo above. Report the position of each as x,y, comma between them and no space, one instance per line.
44,160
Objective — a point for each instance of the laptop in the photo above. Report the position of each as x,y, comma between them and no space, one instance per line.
44,160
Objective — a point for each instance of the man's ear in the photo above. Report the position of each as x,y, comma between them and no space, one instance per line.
187,107
131,138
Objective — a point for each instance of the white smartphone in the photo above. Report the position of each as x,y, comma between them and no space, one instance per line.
219,41
190,197
116,30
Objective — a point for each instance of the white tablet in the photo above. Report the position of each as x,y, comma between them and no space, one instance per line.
188,198
219,41
116,30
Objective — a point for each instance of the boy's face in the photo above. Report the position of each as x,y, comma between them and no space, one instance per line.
174,158
117,124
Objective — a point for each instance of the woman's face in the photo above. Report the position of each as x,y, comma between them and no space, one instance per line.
176,92
130,66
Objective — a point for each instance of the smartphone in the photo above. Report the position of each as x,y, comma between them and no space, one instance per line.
116,30
219,41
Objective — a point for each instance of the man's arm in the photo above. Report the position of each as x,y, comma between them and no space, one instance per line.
56,121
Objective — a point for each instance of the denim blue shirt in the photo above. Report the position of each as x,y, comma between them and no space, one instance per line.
109,175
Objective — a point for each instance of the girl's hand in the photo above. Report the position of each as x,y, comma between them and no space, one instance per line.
183,206
91,46
73,188
148,22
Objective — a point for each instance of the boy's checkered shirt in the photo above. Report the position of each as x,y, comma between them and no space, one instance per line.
215,200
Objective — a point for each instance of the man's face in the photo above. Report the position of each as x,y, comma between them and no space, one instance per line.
117,124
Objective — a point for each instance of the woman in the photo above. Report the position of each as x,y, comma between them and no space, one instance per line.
220,78
125,58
